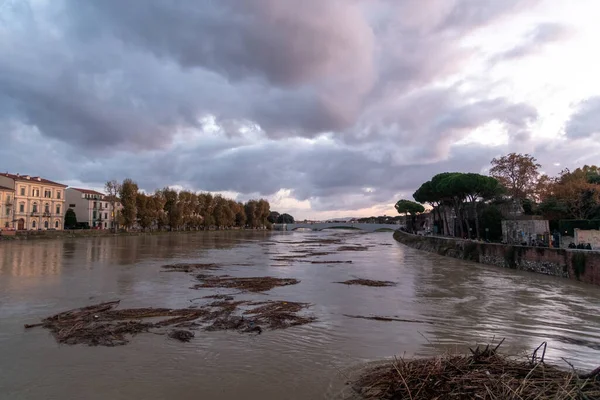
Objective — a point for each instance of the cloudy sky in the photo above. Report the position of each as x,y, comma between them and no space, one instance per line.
325,107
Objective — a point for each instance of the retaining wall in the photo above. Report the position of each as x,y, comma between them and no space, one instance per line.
582,265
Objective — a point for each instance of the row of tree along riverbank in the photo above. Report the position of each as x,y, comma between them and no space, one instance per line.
580,265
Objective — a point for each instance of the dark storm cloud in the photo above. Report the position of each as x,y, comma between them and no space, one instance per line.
115,89
585,122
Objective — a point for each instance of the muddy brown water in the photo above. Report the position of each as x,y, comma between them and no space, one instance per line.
441,303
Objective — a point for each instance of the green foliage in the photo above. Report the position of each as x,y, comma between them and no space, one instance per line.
70,218
578,260
285,219
491,219
128,194
273,216
409,207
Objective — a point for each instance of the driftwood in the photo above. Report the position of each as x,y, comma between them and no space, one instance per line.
484,374
103,325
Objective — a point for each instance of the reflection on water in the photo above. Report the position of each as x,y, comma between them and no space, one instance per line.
453,304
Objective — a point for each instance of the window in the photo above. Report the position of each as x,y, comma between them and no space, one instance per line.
36,192
34,208
8,198
58,210
105,226
58,194
46,224
47,208
22,207
22,190
33,224
7,211
105,215
95,205
71,205
94,215
56,224
48,194
106,205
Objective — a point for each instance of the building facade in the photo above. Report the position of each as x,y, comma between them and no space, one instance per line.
7,197
93,207
38,203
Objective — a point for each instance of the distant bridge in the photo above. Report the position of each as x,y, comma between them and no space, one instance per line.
317,226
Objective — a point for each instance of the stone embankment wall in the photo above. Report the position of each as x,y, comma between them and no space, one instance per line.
582,265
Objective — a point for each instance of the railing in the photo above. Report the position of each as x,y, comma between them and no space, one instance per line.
47,214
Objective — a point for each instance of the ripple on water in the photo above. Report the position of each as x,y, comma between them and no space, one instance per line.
459,304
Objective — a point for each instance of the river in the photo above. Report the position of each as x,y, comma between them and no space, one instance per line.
454,304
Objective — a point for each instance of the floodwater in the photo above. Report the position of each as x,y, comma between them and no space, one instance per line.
454,304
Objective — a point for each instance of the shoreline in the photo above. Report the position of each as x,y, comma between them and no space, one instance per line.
580,265
90,233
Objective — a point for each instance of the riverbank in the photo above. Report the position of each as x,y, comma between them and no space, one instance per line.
86,233
581,265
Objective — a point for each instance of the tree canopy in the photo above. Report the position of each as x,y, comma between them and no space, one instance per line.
473,199
518,173
408,207
170,209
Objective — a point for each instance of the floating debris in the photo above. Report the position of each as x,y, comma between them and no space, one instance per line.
331,262
352,248
387,319
186,267
254,284
181,335
219,297
484,374
368,282
102,325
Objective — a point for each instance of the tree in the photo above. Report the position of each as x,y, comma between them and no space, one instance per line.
411,208
172,208
128,194
240,215
263,209
112,189
474,187
427,193
145,212
273,216
491,220
574,190
285,219
70,219
518,173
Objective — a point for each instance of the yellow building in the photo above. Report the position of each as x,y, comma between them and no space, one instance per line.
38,203
7,196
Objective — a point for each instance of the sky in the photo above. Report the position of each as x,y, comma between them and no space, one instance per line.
327,108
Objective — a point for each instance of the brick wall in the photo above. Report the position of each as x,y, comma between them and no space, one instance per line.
582,265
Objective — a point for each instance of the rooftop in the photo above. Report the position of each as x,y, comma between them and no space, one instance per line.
6,188
19,177
87,191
